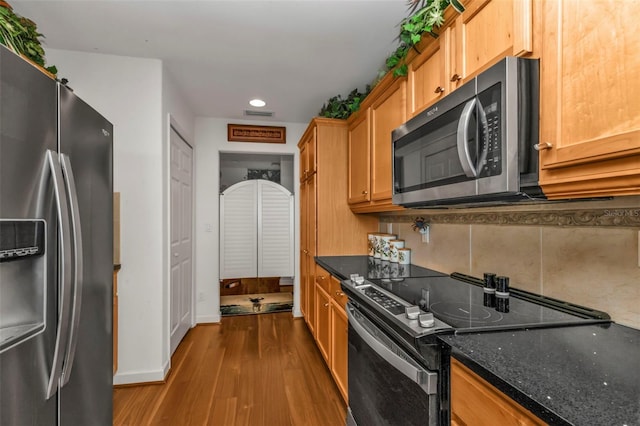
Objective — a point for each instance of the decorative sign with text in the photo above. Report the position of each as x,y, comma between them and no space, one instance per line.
249,133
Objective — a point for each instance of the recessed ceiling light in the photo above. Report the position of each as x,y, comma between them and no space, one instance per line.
257,103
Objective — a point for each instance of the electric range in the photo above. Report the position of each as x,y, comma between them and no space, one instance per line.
398,369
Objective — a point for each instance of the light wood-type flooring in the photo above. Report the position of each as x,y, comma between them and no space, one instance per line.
248,370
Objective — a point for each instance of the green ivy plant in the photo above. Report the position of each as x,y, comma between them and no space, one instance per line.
339,107
21,36
424,15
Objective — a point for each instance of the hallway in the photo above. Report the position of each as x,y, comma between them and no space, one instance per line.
248,370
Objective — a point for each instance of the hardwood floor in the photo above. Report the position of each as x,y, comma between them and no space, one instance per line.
249,370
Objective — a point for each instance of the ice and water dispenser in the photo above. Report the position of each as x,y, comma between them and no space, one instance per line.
22,280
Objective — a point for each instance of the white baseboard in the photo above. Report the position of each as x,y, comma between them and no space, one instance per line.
204,319
297,313
127,378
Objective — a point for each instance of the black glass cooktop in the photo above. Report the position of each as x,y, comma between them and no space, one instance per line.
460,305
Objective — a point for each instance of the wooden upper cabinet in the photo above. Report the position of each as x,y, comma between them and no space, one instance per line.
359,154
590,99
370,146
467,44
387,112
487,31
426,75
307,147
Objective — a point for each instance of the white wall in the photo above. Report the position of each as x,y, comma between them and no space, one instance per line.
211,139
134,95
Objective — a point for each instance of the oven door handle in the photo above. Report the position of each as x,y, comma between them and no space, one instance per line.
427,380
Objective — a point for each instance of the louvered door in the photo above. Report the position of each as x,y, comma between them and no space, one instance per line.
256,230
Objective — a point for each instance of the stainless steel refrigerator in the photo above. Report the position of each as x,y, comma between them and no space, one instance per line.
56,252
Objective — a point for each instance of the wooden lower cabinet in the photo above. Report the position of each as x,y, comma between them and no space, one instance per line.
323,322
331,327
474,401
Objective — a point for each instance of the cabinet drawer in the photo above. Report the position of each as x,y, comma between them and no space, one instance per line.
323,278
336,292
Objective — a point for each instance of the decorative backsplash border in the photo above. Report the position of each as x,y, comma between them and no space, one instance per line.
620,217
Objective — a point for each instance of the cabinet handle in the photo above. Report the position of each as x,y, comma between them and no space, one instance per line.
542,146
326,305
365,192
305,251
322,277
455,77
339,293
439,89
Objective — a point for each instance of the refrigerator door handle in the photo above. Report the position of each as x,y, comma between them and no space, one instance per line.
64,298
78,280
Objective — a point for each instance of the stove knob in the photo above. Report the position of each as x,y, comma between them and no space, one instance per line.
426,320
412,312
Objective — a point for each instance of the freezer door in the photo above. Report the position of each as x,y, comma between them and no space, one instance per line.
28,284
86,147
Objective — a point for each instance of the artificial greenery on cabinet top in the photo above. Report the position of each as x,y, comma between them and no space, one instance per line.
424,15
21,35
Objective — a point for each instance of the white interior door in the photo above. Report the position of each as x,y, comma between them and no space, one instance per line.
181,238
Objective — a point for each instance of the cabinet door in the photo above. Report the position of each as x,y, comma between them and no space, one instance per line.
476,402
487,31
323,318
339,348
359,159
427,82
387,112
304,249
308,154
304,159
311,248
589,101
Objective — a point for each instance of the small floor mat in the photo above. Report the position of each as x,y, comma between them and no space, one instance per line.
248,304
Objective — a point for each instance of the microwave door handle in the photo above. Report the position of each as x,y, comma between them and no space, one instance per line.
463,132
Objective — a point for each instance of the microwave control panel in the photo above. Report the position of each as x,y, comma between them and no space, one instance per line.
492,142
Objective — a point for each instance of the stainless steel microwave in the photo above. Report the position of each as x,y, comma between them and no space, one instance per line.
476,145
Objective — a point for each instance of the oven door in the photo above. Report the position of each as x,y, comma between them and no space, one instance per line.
386,385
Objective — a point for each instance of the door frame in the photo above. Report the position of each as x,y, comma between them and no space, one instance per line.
172,124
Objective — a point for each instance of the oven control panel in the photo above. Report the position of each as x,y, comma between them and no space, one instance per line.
411,318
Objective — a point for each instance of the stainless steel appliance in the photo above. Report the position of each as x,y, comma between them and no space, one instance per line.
56,253
398,369
475,146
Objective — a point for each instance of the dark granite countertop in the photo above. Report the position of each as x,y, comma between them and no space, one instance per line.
579,375
368,267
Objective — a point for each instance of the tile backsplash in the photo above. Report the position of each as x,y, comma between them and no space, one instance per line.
594,266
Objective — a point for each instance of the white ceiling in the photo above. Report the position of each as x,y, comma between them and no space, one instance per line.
294,54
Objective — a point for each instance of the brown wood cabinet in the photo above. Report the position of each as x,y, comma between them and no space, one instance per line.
476,402
332,327
308,155
589,100
370,146
327,224
468,43
339,338
323,321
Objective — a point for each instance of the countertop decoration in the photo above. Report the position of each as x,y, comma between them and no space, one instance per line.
420,225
